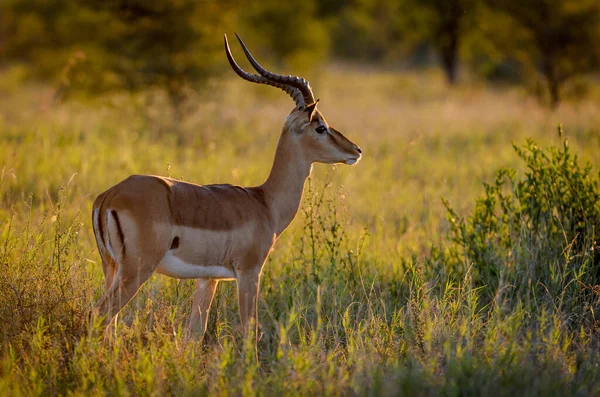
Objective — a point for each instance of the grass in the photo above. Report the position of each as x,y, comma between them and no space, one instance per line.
377,288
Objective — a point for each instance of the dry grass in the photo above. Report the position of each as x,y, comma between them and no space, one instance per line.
363,316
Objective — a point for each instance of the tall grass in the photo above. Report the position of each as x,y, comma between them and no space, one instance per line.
378,288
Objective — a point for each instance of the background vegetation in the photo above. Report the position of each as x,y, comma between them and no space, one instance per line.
459,257
92,46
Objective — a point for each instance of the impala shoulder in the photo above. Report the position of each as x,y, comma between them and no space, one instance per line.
260,196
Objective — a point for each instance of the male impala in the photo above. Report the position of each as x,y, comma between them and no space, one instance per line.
148,224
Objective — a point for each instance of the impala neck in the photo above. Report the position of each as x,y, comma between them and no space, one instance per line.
283,188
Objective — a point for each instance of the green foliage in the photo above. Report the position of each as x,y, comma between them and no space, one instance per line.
494,56
370,31
94,46
169,44
561,38
535,236
444,23
324,241
292,31
30,30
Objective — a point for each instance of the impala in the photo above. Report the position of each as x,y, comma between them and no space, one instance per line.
148,224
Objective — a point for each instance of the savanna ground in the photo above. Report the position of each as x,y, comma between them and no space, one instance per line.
420,271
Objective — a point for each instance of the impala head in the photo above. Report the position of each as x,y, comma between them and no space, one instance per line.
305,127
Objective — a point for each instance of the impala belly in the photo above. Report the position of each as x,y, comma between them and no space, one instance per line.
173,266
205,253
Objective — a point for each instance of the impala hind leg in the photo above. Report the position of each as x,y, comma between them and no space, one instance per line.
203,296
134,269
110,271
122,290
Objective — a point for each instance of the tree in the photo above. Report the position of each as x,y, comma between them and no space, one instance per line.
163,43
100,45
563,37
389,29
373,31
445,24
46,34
291,30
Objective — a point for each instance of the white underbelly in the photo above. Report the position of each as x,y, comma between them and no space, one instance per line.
174,267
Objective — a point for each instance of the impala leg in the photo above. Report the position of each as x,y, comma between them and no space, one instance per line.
110,271
203,296
248,284
122,290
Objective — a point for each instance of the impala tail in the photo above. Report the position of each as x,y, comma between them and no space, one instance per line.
109,235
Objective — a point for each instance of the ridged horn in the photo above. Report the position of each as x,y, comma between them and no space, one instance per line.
294,81
292,91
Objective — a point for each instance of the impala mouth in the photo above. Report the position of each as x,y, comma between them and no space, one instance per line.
352,160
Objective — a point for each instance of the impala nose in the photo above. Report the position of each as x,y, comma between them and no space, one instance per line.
359,150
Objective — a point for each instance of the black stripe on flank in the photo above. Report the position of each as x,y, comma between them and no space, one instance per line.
100,219
175,243
120,231
100,229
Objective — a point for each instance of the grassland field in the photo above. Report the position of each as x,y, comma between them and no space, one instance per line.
349,303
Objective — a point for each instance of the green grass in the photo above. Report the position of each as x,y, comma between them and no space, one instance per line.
372,290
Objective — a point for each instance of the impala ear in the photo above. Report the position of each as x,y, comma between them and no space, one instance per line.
311,110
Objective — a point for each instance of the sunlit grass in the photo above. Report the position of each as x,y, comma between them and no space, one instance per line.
350,300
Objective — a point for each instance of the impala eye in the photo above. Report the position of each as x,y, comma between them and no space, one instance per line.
321,129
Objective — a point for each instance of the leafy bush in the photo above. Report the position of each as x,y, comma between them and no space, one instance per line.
534,235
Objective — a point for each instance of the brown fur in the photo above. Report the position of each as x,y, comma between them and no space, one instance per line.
222,228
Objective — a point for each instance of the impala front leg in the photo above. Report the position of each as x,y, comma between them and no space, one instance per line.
248,284
203,296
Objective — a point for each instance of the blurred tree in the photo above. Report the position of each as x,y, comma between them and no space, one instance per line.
164,43
443,24
561,37
394,29
290,30
99,45
494,56
45,34
373,30
330,8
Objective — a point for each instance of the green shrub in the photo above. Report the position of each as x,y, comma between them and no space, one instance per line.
532,236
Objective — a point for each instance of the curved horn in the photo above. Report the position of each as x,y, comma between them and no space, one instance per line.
292,91
294,81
